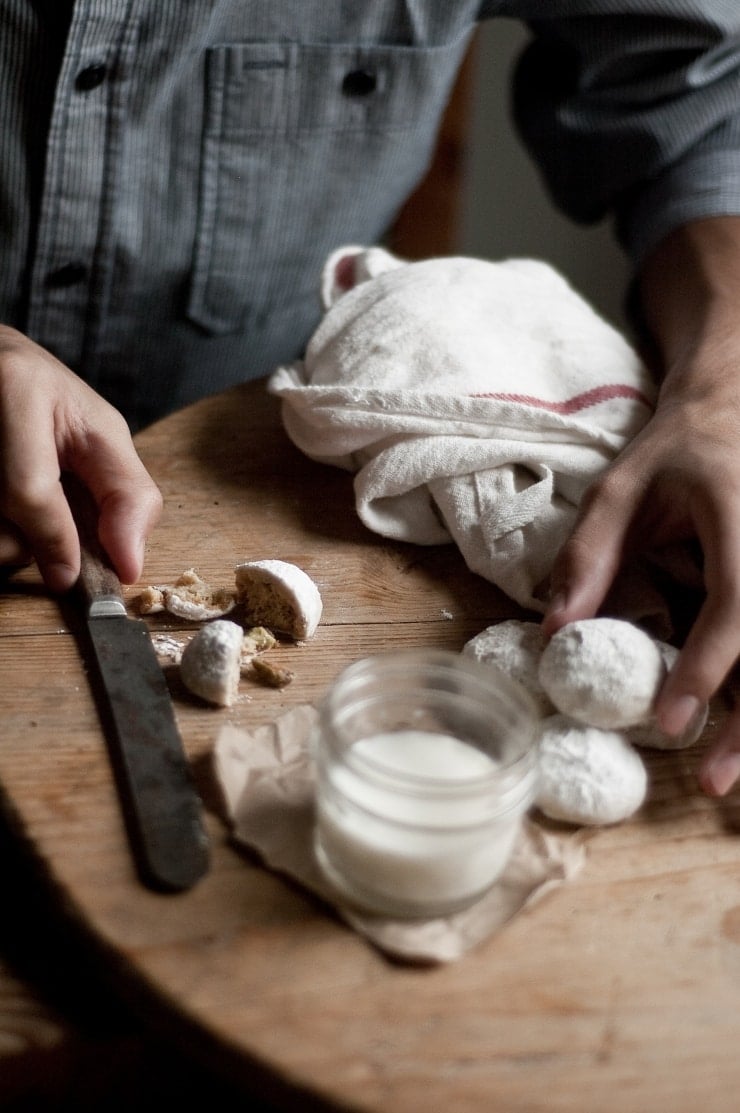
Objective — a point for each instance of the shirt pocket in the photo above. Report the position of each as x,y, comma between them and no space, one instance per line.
305,147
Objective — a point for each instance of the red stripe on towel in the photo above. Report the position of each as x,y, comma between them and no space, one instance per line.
579,402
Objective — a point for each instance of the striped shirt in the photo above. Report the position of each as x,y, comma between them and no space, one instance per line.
174,172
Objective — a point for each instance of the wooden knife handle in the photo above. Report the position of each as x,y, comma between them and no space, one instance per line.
97,582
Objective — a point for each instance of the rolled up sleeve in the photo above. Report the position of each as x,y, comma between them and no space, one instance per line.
633,108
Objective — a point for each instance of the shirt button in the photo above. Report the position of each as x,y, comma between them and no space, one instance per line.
68,275
91,77
359,83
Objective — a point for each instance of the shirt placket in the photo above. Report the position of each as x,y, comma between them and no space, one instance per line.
72,266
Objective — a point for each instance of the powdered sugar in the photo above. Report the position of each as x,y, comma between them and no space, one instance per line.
516,648
596,682
602,671
211,662
280,595
588,775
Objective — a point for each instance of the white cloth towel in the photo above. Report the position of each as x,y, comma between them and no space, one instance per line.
474,400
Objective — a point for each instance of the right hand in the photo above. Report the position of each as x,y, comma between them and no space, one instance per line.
50,422
679,479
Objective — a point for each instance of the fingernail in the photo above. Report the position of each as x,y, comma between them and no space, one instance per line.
140,554
720,773
557,603
676,718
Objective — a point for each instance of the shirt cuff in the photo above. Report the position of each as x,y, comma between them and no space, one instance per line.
703,184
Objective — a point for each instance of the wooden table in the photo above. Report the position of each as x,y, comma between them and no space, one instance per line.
620,991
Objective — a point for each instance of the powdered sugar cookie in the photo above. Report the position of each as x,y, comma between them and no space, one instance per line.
279,595
650,736
605,672
515,647
211,662
586,775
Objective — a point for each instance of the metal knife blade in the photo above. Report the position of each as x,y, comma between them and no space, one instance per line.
160,804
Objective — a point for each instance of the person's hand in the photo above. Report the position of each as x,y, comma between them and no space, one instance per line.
50,422
679,479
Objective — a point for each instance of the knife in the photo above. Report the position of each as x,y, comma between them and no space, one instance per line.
161,807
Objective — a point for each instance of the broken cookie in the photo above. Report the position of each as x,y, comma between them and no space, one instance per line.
189,597
279,595
212,661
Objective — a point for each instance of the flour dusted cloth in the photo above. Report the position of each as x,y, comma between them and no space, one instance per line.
475,402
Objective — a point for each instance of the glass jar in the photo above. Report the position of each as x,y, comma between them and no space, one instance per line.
425,764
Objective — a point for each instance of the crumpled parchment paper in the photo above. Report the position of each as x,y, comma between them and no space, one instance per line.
267,780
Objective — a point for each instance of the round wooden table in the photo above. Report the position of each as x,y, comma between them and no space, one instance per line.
617,992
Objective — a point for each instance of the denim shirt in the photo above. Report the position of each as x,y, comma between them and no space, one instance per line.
174,172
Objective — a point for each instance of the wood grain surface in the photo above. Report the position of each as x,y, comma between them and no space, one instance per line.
617,992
